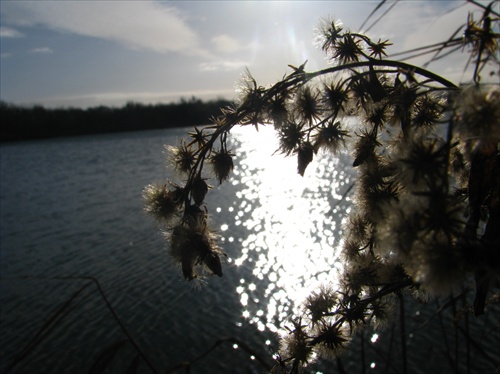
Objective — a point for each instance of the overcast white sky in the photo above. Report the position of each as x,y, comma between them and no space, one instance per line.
88,53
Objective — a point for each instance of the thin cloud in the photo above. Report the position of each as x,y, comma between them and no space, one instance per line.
225,44
41,50
222,65
8,32
136,24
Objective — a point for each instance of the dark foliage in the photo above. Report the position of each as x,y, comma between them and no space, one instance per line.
24,123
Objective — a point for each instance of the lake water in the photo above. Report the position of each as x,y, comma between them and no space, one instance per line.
72,208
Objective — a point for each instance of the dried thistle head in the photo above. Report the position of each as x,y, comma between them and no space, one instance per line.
437,265
330,339
328,34
163,204
359,90
365,148
480,36
351,250
347,50
318,304
358,228
377,115
248,93
330,136
307,105
199,189
278,111
362,272
222,164
401,229
182,157
193,248
335,98
290,137
295,345
381,311
478,114
428,110
423,162
377,50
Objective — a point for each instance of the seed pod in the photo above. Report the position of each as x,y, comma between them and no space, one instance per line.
212,261
198,190
188,261
365,148
222,164
305,156
195,217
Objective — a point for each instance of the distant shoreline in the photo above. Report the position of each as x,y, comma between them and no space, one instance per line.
31,123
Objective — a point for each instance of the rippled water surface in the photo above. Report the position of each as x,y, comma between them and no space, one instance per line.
71,208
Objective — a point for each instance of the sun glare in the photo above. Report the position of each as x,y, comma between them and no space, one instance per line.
293,225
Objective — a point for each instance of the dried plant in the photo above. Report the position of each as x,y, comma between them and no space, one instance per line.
426,151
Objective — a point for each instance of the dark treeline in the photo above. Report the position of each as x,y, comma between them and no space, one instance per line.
23,123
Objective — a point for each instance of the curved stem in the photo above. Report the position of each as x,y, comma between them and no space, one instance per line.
397,64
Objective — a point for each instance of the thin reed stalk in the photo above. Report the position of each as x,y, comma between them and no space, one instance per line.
402,317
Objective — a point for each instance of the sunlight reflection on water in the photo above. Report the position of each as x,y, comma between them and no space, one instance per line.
293,225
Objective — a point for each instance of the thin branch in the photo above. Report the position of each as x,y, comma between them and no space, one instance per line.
240,343
381,3
396,64
489,7
106,301
46,329
382,15
403,332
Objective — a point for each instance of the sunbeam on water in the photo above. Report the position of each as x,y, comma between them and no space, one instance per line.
293,225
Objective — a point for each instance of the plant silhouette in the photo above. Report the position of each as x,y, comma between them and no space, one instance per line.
427,188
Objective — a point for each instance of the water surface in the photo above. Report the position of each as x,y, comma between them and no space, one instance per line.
72,208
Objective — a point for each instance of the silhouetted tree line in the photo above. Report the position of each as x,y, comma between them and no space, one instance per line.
37,122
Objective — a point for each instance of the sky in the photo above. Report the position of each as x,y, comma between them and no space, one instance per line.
68,53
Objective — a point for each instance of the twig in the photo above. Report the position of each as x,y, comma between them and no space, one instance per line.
244,346
363,358
33,343
403,332
443,333
45,330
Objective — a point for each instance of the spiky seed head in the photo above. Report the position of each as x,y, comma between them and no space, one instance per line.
478,112
428,110
162,203
194,246
330,137
278,111
296,344
195,217
347,50
290,137
330,340
335,98
320,303
182,157
222,164
328,34
307,104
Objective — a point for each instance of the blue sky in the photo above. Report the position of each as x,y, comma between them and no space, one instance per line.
88,53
